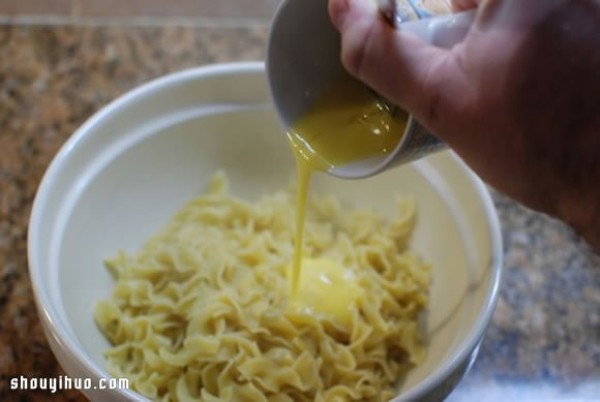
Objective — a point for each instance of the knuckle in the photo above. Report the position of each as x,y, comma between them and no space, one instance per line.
357,50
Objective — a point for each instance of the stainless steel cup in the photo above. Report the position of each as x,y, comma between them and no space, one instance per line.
303,58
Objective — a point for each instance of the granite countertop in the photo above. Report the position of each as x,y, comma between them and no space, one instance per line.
544,340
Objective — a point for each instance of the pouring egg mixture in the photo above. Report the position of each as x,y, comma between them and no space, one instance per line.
239,301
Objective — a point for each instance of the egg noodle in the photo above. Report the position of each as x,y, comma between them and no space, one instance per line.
203,311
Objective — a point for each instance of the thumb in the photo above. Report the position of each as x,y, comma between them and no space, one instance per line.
411,73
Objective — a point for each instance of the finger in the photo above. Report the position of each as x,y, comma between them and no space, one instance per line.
418,77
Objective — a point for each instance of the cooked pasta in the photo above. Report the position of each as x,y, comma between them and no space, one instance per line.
202,311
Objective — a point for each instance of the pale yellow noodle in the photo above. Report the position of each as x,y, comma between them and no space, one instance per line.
200,312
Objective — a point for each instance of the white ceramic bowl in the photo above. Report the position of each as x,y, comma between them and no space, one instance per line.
138,160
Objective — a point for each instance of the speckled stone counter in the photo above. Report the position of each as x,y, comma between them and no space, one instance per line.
544,341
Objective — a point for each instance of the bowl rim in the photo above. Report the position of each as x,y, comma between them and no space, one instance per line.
470,344
53,328
57,332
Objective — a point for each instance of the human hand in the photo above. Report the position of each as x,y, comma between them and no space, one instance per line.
518,99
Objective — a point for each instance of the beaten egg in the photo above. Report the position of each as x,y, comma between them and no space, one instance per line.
347,123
